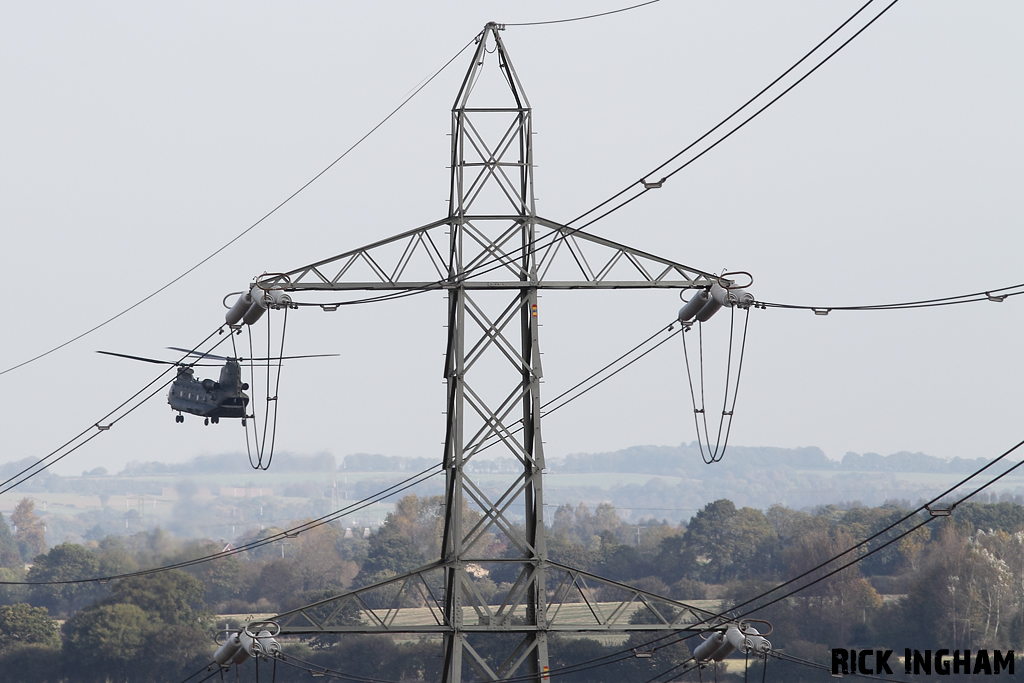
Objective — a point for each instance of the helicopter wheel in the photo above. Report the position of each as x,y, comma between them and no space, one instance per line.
243,421
179,418
215,420
206,422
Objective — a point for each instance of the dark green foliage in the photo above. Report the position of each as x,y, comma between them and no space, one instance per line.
561,549
32,663
727,543
173,597
566,652
389,551
151,628
277,582
107,641
66,561
23,625
366,656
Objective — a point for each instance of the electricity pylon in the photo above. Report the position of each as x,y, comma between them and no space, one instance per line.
491,255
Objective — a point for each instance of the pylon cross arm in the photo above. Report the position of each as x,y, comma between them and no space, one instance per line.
581,602
565,258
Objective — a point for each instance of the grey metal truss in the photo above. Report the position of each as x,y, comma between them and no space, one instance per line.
491,255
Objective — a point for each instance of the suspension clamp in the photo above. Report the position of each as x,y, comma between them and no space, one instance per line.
940,512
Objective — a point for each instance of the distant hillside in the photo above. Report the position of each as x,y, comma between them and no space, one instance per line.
678,481
665,482
682,458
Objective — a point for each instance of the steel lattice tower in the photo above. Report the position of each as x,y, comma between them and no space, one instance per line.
491,255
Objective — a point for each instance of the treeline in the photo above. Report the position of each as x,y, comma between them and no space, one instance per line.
674,459
955,583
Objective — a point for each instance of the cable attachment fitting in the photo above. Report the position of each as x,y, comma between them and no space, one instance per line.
272,626
939,512
995,297
653,185
821,311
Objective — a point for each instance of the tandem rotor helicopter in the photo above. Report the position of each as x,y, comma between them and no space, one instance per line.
208,398
226,397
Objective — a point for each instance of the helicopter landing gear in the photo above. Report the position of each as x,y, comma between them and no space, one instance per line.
206,422
215,420
243,421
179,418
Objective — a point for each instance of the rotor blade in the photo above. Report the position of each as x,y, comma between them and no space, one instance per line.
273,358
196,353
154,360
144,360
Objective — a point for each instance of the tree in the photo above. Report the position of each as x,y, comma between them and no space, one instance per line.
67,561
173,597
318,562
22,624
912,546
707,537
106,641
674,560
32,663
754,544
222,579
114,557
730,543
29,533
10,556
151,628
421,520
389,551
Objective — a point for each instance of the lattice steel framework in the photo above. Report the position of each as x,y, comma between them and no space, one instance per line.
491,255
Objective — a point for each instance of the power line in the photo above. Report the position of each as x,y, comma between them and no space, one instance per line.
348,510
267,215
995,295
352,508
487,266
440,284
677,666
205,667
625,654
589,16
42,463
312,668
646,187
605,379
293,532
908,516
544,407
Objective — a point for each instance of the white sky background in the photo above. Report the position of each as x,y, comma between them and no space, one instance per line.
139,137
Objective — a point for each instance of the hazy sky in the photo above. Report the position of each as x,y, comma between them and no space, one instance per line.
139,137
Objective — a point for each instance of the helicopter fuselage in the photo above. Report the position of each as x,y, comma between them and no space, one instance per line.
208,398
